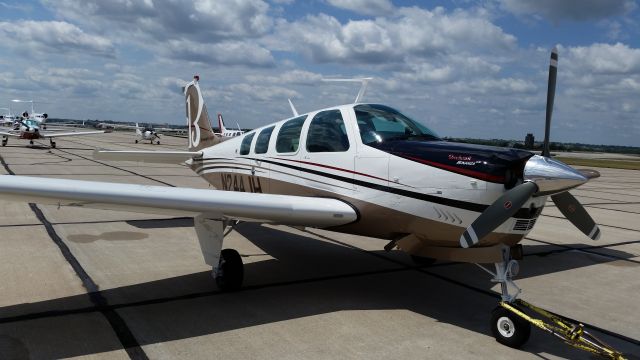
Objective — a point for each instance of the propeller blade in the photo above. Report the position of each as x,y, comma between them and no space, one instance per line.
551,94
571,208
497,213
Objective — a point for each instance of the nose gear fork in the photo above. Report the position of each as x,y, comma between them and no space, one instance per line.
505,271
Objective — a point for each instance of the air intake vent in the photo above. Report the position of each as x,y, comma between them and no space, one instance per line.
524,224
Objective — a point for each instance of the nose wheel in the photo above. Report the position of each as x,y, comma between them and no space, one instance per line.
52,143
508,328
4,140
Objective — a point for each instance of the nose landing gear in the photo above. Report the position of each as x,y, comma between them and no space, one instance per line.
511,325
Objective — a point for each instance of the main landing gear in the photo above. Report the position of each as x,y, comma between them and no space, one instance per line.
52,143
5,139
228,270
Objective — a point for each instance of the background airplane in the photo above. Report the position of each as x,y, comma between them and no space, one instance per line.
29,129
147,133
227,133
7,119
40,118
358,168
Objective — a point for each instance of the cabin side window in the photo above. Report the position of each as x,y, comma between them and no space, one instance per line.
327,133
245,146
262,143
289,135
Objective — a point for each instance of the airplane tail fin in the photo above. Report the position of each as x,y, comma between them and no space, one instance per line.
138,131
221,126
199,126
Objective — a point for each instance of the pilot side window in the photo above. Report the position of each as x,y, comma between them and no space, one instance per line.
245,146
289,135
379,123
262,143
327,133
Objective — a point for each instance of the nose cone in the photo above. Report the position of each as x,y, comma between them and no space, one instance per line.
552,176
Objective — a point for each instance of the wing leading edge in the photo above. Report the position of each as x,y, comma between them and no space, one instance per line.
279,209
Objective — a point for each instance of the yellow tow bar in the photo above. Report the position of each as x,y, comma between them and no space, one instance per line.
572,334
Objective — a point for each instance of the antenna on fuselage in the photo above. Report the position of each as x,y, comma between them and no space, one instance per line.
363,87
293,108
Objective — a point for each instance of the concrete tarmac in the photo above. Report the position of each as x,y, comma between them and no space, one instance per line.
83,283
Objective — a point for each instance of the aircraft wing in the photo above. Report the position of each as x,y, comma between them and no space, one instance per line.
163,157
177,201
12,134
72,133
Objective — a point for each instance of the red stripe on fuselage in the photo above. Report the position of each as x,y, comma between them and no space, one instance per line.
462,171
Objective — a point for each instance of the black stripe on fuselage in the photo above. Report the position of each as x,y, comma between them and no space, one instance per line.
520,214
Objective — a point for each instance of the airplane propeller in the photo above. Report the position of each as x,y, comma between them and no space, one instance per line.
542,176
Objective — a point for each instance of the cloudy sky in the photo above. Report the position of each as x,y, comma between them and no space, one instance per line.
464,68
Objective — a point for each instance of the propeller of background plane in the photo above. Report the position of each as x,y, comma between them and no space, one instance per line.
542,176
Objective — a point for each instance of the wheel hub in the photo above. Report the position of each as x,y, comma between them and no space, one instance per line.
506,327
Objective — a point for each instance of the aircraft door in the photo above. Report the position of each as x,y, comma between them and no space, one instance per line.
328,153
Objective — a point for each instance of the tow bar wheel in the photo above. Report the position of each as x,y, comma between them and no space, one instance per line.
508,328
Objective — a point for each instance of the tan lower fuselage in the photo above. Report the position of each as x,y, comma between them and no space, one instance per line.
374,220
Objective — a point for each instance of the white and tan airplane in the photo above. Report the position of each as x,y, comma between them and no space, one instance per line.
359,168
29,129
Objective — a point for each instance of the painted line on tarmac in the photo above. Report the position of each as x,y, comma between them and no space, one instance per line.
119,326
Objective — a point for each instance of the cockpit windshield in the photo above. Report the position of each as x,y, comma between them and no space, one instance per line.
379,123
30,123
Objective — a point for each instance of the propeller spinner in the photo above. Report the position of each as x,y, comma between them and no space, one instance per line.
542,176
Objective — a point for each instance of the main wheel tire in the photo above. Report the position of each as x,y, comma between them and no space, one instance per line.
53,145
136,141
230,271
157,142
4,143
508,328
422,261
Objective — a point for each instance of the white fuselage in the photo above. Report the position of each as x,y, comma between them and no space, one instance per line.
398,195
